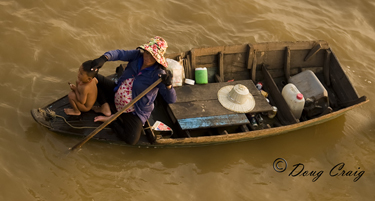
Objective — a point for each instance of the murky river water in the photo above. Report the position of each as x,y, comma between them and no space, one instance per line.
44,42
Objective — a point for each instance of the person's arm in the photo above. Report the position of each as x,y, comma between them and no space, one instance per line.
81,94
123,55
166,89
115,55
92,92
169,95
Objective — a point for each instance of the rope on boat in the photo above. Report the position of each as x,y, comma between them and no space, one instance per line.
51,115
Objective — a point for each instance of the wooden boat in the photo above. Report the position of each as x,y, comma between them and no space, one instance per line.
197,118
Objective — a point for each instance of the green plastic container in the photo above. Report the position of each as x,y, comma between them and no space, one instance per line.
201,76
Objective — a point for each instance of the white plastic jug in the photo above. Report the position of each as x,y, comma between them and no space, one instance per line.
294,99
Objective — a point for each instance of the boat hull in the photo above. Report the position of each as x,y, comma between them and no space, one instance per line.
250,135
271,63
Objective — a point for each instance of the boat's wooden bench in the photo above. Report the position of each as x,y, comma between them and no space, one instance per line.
197,106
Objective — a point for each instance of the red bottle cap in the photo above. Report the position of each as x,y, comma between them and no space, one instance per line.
299,96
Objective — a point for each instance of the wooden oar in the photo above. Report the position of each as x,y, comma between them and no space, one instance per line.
113,117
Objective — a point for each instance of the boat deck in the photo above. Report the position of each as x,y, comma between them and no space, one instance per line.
197,106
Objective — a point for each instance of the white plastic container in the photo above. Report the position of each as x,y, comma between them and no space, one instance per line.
310,86
294,99
189,81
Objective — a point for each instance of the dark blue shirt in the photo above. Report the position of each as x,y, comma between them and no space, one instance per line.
142,79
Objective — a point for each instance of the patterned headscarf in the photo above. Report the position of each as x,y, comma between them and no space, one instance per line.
157,46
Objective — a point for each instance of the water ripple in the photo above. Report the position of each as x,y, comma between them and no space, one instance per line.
44,42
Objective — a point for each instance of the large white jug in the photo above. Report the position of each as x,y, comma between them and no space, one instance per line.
294,99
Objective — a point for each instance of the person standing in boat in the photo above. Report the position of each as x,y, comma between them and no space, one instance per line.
146,64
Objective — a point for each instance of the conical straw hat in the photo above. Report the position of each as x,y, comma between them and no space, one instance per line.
236,98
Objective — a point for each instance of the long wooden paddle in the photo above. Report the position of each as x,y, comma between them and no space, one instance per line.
113,117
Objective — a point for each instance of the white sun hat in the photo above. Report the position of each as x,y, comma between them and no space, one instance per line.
236,98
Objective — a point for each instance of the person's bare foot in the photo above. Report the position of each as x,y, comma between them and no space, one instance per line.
70,111
101,118
104,109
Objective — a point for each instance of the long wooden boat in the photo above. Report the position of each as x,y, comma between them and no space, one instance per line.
197,118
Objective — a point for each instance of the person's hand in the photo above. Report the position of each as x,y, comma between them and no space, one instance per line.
167,78
72,86
99,62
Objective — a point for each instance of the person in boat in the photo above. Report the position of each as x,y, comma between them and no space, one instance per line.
145,65
84,92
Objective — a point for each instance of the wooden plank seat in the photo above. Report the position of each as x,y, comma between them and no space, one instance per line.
197,106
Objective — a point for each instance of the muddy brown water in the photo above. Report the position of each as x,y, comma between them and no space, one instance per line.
44,42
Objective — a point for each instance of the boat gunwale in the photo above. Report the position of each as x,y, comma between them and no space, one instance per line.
252,135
